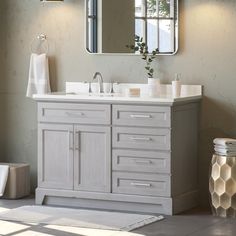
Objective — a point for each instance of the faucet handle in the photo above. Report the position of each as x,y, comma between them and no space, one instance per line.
112,86
112,89
90,89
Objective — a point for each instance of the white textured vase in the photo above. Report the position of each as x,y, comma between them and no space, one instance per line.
154,87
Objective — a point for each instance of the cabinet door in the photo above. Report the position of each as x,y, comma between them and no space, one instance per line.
92,165
55,156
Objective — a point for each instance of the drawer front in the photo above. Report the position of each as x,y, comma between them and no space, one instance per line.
141,138
140,161
141,116
74,113
141,184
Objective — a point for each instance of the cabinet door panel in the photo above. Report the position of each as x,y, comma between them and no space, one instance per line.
92,159
55,162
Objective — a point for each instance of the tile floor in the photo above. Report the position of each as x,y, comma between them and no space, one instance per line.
194,223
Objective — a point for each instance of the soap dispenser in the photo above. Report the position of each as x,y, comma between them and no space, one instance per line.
176,86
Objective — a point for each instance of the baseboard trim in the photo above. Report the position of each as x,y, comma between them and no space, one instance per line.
185,202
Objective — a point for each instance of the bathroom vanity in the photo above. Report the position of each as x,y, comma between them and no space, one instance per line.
117,152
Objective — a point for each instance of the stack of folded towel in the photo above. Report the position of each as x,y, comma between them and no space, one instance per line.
225,146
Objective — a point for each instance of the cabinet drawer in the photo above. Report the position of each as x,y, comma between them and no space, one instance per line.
141,184
140,161
141,138
74,113
141,116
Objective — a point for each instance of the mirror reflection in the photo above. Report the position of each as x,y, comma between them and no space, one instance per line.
113,24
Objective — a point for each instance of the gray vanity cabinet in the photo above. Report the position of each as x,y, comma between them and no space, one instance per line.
92,162
117,155
74,157
55,156
77,155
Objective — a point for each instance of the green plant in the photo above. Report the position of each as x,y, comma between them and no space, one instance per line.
163,5
141,47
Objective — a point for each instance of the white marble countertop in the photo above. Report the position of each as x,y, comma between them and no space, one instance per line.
189,93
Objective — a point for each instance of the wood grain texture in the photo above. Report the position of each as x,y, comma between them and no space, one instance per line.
141,138
74,113
55,156
119,202
145,159
150,116
141,184
141,161
184,159
92,160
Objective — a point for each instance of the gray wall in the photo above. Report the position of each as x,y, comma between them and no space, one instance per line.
2,75
206,56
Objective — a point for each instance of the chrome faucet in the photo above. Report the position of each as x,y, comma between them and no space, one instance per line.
100,81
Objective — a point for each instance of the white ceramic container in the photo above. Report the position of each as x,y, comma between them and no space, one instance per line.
154,87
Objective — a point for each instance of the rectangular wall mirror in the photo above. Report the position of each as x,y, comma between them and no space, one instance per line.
113,24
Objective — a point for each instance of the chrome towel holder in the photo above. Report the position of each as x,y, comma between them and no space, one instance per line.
38,43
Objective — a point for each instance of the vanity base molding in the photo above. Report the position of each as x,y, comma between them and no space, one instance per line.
119,202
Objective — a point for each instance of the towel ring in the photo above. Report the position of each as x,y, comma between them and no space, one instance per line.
41,40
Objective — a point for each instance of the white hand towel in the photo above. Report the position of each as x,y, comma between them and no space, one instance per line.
38,75
226,149
4,169
224,154
225,141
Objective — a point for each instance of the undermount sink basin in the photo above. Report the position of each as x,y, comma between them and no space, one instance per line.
96,94
102,94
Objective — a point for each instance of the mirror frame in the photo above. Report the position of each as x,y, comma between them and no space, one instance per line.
131,54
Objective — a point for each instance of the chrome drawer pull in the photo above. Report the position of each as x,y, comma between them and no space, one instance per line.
143,162
74,114
140,139
141,185
140,116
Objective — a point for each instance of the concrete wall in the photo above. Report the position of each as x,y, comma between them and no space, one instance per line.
2,75
206,56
